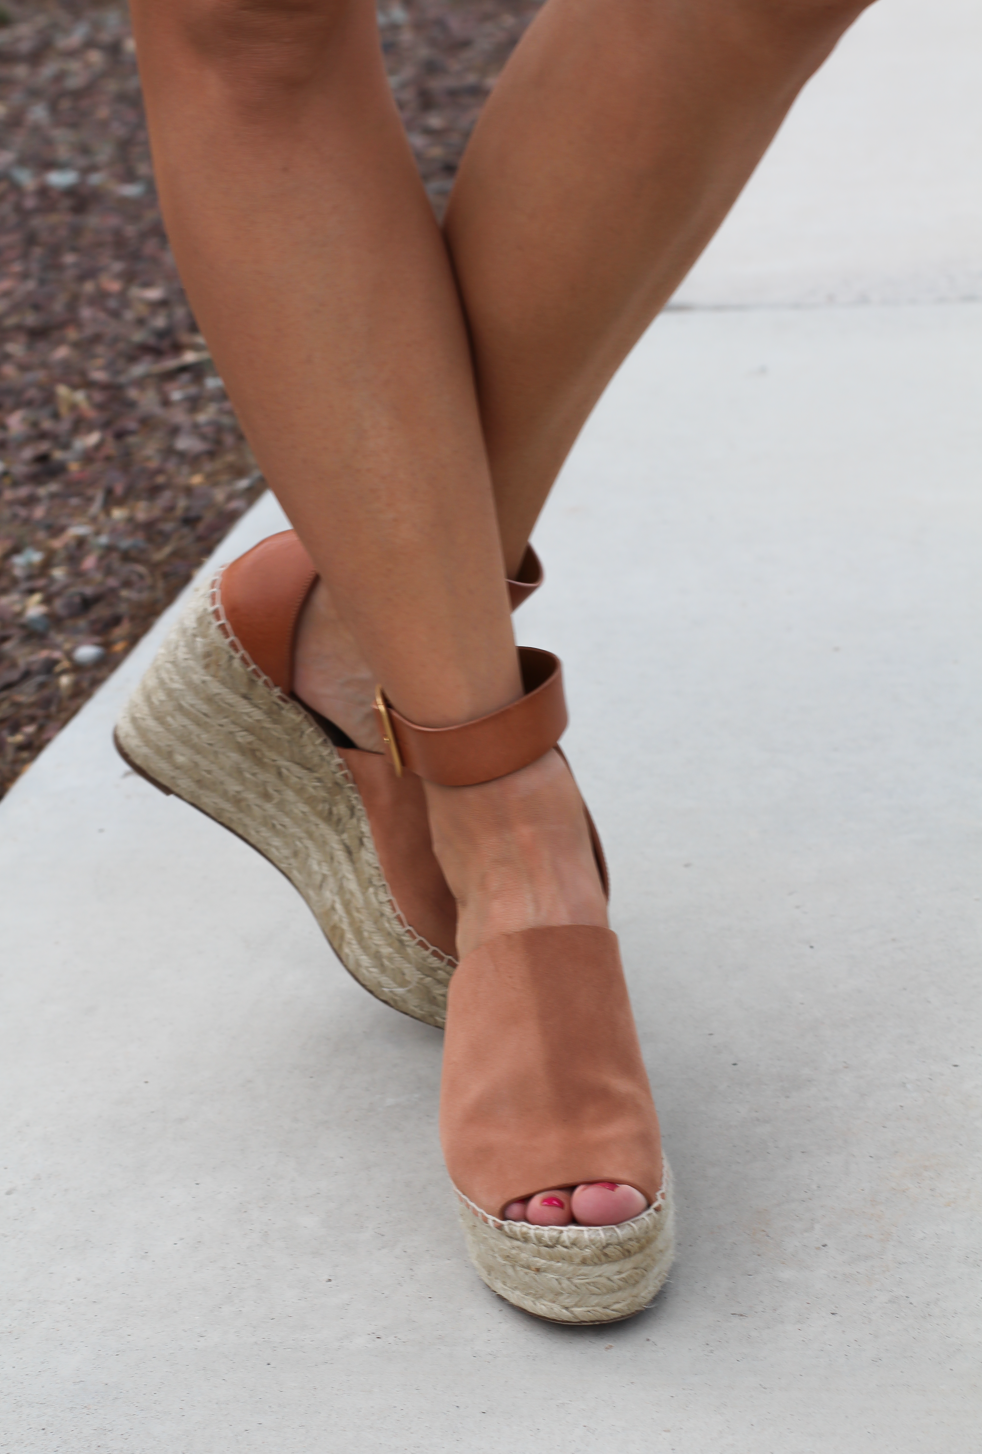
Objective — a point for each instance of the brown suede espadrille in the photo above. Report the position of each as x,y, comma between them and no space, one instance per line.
543,1080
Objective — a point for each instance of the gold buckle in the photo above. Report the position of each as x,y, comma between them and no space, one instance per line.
388,735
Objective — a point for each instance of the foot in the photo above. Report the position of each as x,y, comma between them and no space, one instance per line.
516,853
591,1204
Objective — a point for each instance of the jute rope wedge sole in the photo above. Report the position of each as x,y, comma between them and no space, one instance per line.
584,1275
543,1080
208,726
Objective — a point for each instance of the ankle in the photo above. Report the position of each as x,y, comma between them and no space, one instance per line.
330,674
516,853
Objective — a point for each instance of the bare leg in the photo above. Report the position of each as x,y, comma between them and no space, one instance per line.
317,273
320,279
615,142
611,149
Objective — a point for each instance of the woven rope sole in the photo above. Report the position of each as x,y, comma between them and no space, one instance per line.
206,724
575,1274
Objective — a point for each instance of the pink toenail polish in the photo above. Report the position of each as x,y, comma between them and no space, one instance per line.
552,1202
607,1185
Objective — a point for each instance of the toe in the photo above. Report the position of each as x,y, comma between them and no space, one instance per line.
550,1208
605,1203
515,1212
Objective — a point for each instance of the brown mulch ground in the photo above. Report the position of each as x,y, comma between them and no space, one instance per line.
121,463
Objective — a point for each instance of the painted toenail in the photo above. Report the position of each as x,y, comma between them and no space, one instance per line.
607,1185
552,1202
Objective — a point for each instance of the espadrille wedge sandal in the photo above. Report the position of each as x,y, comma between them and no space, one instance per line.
214,722
543,1080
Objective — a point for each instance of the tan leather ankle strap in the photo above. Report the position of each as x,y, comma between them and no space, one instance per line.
491,746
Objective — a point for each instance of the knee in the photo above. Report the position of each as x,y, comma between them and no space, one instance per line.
262,47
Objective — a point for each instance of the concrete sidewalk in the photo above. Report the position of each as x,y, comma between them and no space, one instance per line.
764,581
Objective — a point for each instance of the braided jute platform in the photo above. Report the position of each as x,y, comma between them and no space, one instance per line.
207,725
575,1274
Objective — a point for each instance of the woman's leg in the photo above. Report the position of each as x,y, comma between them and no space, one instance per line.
317,273
321,282
319,277
614,144
612,147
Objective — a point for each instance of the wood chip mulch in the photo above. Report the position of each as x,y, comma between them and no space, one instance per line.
121,462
